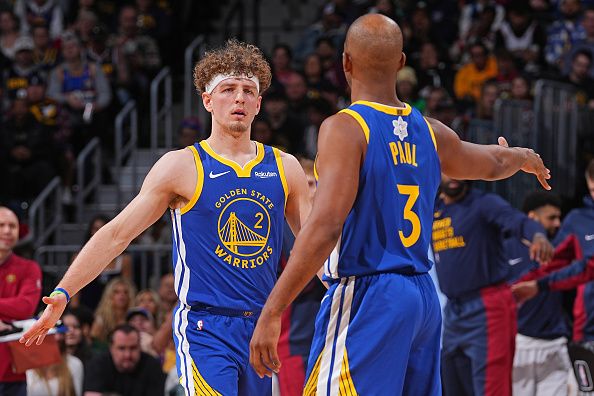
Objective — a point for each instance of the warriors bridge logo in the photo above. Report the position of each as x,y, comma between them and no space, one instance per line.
243,229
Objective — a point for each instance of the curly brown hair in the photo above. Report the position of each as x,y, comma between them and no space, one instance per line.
234,58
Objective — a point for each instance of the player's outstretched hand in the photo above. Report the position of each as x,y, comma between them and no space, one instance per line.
532,165
263,346
51,314
524,291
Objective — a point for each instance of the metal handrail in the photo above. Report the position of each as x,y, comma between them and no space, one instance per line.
93,148
122,151
163,113
199,43
38,212
55,259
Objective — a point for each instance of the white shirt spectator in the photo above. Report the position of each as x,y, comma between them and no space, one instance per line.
37,386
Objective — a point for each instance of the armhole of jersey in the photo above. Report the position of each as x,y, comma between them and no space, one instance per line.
360,120
431,132
315,170
281,172
199,181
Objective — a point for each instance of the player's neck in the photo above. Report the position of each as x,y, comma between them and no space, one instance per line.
231,144
375,92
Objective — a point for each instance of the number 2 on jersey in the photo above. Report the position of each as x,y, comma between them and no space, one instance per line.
413,193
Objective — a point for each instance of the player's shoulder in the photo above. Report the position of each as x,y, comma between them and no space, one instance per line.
174,165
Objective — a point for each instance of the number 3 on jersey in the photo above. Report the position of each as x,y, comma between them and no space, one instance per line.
413,193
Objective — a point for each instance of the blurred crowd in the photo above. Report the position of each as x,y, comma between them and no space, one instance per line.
67,67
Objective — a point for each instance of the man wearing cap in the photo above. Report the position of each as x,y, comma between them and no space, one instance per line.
228,197
18,77
143,321
20,289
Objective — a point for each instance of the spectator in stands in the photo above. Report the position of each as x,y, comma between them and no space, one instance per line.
579,78
318,110
17,78
471,77
45,53
262,132
9,32
406,86
189,132
482,29
83,90
139,52
121,267
506,70
471,14
104,10
563,32
33,12
149,300
163,338
125,369
64,378
144,322
285,125
522,36
432,71
48,113
296,91
584,43
418,30
520,89
115,302
76,340
83,26
167,293
485,107
27,149
282,57
434,96
331,63
331,26
101,51
314,75
20,290
154,19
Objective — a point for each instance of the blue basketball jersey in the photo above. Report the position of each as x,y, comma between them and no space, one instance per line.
389,227
227,239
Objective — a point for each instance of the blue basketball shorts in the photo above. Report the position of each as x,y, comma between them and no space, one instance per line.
213,354
377,335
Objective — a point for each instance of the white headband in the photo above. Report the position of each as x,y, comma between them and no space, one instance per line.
216,80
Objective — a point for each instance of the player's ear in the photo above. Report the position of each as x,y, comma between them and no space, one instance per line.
259,104
347,62
207,101
402,61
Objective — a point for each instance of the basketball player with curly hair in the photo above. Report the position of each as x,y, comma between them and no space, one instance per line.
228,197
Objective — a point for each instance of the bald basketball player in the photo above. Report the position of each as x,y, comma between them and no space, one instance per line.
378,165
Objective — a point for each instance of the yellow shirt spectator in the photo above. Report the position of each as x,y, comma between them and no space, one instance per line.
471,76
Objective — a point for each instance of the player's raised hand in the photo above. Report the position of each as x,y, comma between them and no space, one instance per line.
55,307
263,346
533,164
